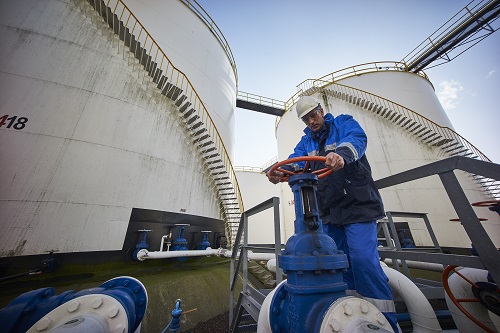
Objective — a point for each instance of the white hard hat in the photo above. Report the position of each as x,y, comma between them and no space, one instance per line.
305,105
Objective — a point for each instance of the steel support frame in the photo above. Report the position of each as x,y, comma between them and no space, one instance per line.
397,242
459,36
489,256
250,299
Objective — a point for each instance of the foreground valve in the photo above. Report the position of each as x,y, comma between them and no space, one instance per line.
313,297
117,305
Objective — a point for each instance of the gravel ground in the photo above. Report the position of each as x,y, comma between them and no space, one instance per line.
218,324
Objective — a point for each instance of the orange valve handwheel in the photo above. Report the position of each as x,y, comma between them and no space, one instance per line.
320,173
457,301
489,203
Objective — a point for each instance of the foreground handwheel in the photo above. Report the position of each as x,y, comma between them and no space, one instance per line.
457,301
489,203
320,173
493,205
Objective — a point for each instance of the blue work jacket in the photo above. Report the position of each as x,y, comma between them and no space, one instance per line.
348,195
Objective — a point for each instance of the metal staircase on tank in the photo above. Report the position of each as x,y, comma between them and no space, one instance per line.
173,84
424,129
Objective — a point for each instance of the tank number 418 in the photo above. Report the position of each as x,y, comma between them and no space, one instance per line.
14,122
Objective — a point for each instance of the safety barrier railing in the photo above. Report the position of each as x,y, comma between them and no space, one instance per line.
247,169
378,66
457,22
250,298
371,67
489,256
127,26
450,142
266,165
406,116
257,99
269,163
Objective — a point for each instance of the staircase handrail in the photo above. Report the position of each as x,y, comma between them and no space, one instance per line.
210,23
331,78
451,26
444,131
181,81
369,67
445,134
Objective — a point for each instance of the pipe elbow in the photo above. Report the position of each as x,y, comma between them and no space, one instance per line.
141,255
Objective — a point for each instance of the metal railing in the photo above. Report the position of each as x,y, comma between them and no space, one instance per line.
126,20
247,169
371,67
257,99
406,115
453,26
253,298
489,257
203,15
266,165
450,142
269,163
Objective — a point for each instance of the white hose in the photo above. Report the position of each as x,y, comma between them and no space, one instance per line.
422,315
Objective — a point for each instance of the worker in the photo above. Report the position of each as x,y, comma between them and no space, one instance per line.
348,200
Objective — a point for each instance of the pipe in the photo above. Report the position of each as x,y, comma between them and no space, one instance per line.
462,289
264,321
167,238
422,315
271,265
145,254
429,266
259,256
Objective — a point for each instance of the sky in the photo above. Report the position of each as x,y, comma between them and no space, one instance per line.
277,44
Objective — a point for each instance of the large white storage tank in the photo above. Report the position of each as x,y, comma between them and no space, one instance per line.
256,189
95,135
393,149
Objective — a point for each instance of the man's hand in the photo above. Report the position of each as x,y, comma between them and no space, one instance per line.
334,161
274,178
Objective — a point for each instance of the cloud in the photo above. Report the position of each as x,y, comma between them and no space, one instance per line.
448,94
490,73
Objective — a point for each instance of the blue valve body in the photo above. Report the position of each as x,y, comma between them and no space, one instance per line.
313,265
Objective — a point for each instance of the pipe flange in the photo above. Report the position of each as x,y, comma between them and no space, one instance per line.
84,313
488,296
132,295
276,306
352,314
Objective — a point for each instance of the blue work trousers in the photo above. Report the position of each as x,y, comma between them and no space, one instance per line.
364,277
